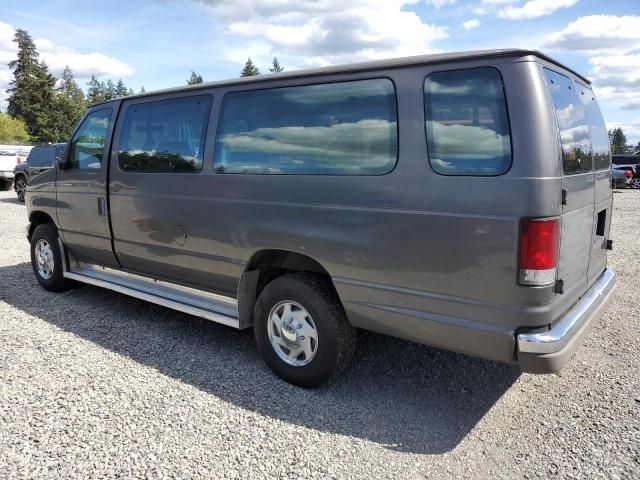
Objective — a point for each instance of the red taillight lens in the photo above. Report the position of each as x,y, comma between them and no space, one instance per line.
539,250
18,160
628,173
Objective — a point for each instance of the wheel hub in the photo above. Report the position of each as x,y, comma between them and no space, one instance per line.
292,333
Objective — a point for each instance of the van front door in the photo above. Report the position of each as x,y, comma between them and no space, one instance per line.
82,191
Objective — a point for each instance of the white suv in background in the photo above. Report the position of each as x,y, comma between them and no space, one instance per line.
10,156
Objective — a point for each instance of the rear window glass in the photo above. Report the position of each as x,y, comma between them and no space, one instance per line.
599,134
572,122
466,122
164,135
626,160
344,128
41,157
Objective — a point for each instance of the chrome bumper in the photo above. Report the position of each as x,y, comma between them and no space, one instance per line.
548,351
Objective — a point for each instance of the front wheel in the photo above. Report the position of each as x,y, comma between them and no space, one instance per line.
302,331
46,258
21,187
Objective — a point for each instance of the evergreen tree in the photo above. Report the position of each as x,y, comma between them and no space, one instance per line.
249,69
195,78
110,90
275,66
95,92
618,140
68,106
121,89
32,90
142,90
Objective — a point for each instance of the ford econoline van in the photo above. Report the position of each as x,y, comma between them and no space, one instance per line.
457,200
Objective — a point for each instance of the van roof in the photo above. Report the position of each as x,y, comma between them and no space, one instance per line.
363,66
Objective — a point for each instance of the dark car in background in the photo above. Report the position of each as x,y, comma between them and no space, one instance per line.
622,176
41,158
629,160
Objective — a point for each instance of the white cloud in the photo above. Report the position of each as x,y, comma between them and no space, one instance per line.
322,32
535,9
471,24
497,2
440,3
56,57
598,33
613,43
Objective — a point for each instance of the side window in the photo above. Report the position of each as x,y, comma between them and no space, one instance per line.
164,135
572,122
41,157
343,128
87,145
467,123
599,135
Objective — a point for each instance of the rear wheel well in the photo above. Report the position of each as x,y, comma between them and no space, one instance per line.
263,267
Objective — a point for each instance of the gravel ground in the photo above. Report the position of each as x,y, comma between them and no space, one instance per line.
94,384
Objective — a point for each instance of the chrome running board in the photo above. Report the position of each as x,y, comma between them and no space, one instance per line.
217,308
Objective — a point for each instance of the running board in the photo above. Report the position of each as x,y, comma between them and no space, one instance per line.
217,308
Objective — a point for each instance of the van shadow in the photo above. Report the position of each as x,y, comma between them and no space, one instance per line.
402,395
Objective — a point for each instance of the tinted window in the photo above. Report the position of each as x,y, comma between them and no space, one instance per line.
466,122
87,145
346,128
599,135
41,157
626,160
572,122
165,135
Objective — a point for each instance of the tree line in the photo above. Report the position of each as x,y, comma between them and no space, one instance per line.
43,108
249,70
618,142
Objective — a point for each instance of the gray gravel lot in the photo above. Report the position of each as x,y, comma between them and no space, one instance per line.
94,384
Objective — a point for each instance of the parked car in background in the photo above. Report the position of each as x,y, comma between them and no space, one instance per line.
41,158
622,176
10,156
629,160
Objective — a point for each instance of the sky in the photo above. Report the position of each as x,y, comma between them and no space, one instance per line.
156,43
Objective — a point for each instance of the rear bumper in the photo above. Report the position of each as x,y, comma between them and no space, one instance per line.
550,350
6,175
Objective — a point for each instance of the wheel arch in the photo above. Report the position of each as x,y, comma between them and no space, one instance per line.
266,265
37,217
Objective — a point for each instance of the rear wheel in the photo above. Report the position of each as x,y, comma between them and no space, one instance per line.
46,258
20,187
302,331
635,182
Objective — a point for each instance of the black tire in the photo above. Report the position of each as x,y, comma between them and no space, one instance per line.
336,337
635,183
49,234
5,185
20,187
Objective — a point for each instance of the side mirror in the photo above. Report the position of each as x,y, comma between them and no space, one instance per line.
63,160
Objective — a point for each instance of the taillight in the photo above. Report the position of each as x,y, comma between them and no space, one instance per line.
18,160
627,173
539,250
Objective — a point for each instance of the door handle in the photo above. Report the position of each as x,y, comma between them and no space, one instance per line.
102,207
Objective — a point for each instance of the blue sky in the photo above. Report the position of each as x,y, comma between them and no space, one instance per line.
156,43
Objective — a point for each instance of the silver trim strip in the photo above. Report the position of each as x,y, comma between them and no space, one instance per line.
561,333
217,308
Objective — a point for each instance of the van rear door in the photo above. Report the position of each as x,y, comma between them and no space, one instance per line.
603,195
578,184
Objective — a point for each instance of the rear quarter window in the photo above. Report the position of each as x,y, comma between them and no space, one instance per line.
572,122
599,135
466,122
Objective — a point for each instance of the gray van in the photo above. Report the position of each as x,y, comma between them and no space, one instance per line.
457,200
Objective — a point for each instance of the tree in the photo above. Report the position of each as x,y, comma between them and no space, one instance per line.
32,90
195,78
68,106
249,69
110,90
142,90
121,89
95,92
618,140
12,130
275,66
